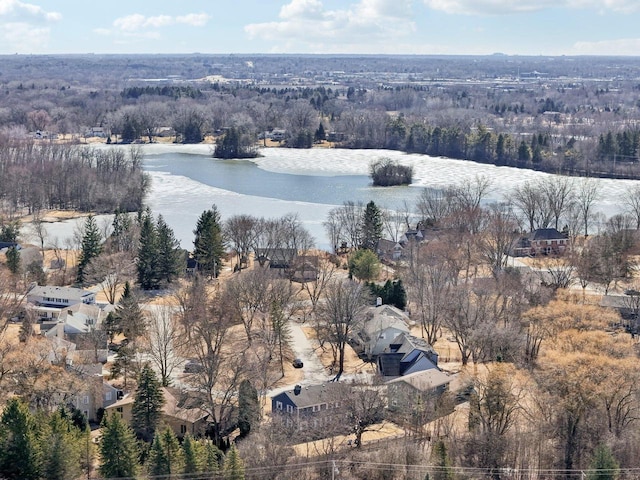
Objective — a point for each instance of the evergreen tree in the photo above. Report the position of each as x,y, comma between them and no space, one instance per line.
193,455
233,465
128,315
213,457
118,448
169,255
121,237
124,364
147,405
603,466
148,255
209,243
248,407
13,260
90,248
19,450
364,265
441,462
320,134
62,445
371,226
166,456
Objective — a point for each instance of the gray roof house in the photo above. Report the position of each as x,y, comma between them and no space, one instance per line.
406,354
381,327
310,409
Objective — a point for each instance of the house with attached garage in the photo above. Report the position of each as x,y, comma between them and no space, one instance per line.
405,355
543,241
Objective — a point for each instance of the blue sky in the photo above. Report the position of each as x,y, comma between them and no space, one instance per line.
524,27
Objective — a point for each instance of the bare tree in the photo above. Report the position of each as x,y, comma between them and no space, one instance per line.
334,229
497,237
429,280
559,195
588,192
434,205
111,271
314,288
341,310
164,340
240,231
205,328
631,202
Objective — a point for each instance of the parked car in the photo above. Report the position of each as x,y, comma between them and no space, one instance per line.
192,366
297,363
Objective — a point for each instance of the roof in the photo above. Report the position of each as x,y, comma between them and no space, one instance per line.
69,293
424,380
547,234
171,407
409,343
313,394
81,318
385,316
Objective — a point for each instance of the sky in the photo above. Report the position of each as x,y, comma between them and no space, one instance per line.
442,27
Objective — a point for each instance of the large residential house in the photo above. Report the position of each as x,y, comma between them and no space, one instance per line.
382,326
48,301
543,241
177,413
310,409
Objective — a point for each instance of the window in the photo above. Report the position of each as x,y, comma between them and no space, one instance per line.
279,405
107,396
183,429
85,400
119,409
289,409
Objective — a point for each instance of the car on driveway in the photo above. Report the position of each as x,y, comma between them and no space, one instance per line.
297,363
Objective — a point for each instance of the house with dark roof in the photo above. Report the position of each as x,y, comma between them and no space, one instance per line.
543,241
405,355
308,409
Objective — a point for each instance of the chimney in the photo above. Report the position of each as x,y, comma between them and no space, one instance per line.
297,389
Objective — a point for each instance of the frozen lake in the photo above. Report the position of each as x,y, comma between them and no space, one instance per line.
186,180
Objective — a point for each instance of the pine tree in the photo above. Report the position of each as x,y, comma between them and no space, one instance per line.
441,462
128,315
603,466
118,448
124,363
90,248
233,465
248,407
147,405
13,260
19,450
209,244
169,257
213,457
371,226
62,445
193,455
147,264
166,456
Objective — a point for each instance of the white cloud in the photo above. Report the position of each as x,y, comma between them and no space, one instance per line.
18,12
24,26
194,19
306,26
137,22
498,7
623,46
22,37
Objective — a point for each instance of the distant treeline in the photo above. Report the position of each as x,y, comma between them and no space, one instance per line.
53,176
164,91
